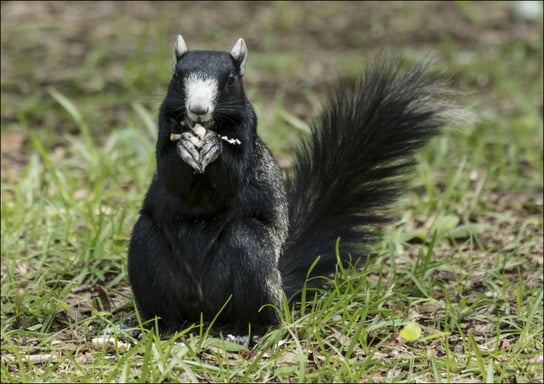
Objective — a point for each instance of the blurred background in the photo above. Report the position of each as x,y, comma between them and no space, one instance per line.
106,57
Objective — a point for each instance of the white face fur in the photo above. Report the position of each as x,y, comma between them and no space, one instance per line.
200,95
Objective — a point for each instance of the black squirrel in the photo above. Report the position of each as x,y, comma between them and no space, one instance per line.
220,228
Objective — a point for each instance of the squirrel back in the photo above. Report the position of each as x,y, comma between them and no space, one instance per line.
221,231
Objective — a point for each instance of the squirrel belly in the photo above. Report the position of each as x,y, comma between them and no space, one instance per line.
220,230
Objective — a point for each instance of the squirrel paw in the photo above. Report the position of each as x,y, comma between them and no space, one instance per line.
211,149
199,152
188,149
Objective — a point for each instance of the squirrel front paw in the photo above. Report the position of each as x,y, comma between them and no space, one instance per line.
188,149
211,149
199,152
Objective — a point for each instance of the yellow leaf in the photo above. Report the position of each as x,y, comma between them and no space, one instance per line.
411,332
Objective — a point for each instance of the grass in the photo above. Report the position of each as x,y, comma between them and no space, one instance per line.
463,259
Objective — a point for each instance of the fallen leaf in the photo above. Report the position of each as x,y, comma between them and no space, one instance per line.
42,358
110,343
411,331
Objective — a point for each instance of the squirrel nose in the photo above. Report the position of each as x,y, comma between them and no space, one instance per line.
198,109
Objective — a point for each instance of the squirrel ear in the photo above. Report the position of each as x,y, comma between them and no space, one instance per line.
179,49
239,53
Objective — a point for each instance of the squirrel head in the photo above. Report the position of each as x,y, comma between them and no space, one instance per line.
206,81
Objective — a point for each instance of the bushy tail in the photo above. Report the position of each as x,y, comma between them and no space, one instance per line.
355,163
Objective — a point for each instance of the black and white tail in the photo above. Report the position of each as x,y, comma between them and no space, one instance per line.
356,162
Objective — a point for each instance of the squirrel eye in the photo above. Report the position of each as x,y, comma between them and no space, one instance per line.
231,79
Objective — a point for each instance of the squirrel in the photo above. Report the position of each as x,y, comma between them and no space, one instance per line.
221,231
